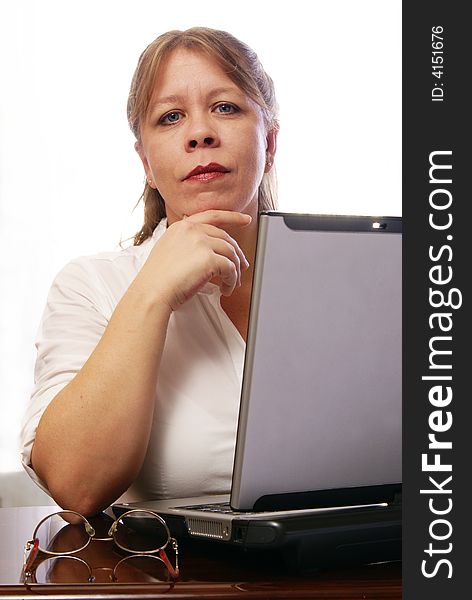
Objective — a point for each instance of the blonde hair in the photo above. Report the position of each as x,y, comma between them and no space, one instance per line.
242,66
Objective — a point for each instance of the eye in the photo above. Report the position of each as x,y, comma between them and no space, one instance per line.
226,108
170,118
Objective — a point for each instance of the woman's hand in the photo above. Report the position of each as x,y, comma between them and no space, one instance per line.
193,252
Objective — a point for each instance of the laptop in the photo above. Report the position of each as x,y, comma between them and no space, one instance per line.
319,445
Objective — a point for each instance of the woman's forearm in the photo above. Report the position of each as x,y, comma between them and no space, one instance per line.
92,438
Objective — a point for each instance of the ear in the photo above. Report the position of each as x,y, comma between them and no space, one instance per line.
139,149
271,147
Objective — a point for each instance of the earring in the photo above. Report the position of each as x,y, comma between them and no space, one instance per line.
149,181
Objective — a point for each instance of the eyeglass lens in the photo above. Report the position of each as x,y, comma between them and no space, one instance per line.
62,569
141,532
141,568
73,534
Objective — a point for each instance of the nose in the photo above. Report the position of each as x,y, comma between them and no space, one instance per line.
201,134
207,141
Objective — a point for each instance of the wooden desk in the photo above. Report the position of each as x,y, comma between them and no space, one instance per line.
206,572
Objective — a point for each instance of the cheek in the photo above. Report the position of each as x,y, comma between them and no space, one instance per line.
253,144
259,156
162,157
257,166
162,166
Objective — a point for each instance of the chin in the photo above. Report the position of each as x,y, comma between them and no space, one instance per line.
211,201
223,204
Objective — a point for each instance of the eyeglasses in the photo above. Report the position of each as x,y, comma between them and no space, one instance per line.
63,534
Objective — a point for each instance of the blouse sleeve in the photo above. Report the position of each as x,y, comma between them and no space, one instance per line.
72,323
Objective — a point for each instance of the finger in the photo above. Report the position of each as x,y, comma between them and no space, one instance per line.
225,269
223,248
221,218
217,233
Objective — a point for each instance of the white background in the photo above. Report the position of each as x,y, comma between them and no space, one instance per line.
69,176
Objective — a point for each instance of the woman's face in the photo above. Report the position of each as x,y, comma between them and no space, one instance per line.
203,142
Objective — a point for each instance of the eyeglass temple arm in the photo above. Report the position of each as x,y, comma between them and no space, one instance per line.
30,554
162,554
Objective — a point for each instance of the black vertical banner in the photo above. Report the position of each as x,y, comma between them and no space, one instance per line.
437,133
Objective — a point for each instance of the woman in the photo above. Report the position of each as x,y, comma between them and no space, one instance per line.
140,352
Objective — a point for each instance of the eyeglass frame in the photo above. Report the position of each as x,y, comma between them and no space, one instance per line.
32,548
90,577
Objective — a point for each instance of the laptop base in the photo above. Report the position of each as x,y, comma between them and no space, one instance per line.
304,540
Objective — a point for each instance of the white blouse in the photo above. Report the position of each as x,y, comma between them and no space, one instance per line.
197,395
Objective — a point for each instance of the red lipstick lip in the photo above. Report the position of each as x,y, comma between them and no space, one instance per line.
209,168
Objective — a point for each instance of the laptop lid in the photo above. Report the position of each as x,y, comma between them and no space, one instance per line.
320,413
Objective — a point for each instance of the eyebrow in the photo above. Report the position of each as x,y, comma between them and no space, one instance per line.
176,98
